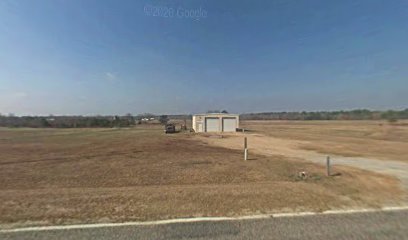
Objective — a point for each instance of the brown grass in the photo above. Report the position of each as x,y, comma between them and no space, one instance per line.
50,176
373,139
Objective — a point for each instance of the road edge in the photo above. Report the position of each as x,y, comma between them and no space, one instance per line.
199,219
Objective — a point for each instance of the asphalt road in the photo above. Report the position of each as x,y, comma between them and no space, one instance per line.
373,225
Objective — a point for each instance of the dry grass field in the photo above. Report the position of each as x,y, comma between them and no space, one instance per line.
61,176
373,139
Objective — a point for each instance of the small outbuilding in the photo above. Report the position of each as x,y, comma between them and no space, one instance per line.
215,122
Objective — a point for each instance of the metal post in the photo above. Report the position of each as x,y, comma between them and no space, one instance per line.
328,165
245,149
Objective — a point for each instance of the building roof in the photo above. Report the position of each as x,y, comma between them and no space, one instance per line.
217,114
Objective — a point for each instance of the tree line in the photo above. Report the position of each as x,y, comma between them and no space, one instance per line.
358,114
130,120
74,121
80,121
66,121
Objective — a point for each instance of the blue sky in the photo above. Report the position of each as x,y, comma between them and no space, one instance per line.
113,57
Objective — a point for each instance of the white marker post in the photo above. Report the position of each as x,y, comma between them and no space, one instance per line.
328,165
245,149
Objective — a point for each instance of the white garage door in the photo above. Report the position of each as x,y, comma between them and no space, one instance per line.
200,127
212,124
229,124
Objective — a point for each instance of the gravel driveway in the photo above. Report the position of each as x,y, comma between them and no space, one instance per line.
267,145
393,168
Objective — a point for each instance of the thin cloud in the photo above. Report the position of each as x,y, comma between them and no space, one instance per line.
19,95
110,76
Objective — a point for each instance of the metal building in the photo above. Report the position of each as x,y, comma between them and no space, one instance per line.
215,122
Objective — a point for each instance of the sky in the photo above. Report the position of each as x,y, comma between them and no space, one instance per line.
90,57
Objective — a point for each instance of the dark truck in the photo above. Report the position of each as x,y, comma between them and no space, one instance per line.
170,128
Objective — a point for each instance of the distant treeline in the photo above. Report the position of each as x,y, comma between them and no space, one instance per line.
67,121
359,114
82,121
129,120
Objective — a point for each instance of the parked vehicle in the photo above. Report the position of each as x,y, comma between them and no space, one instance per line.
170,128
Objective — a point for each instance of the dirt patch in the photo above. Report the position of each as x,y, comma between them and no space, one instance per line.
295,149
370,139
